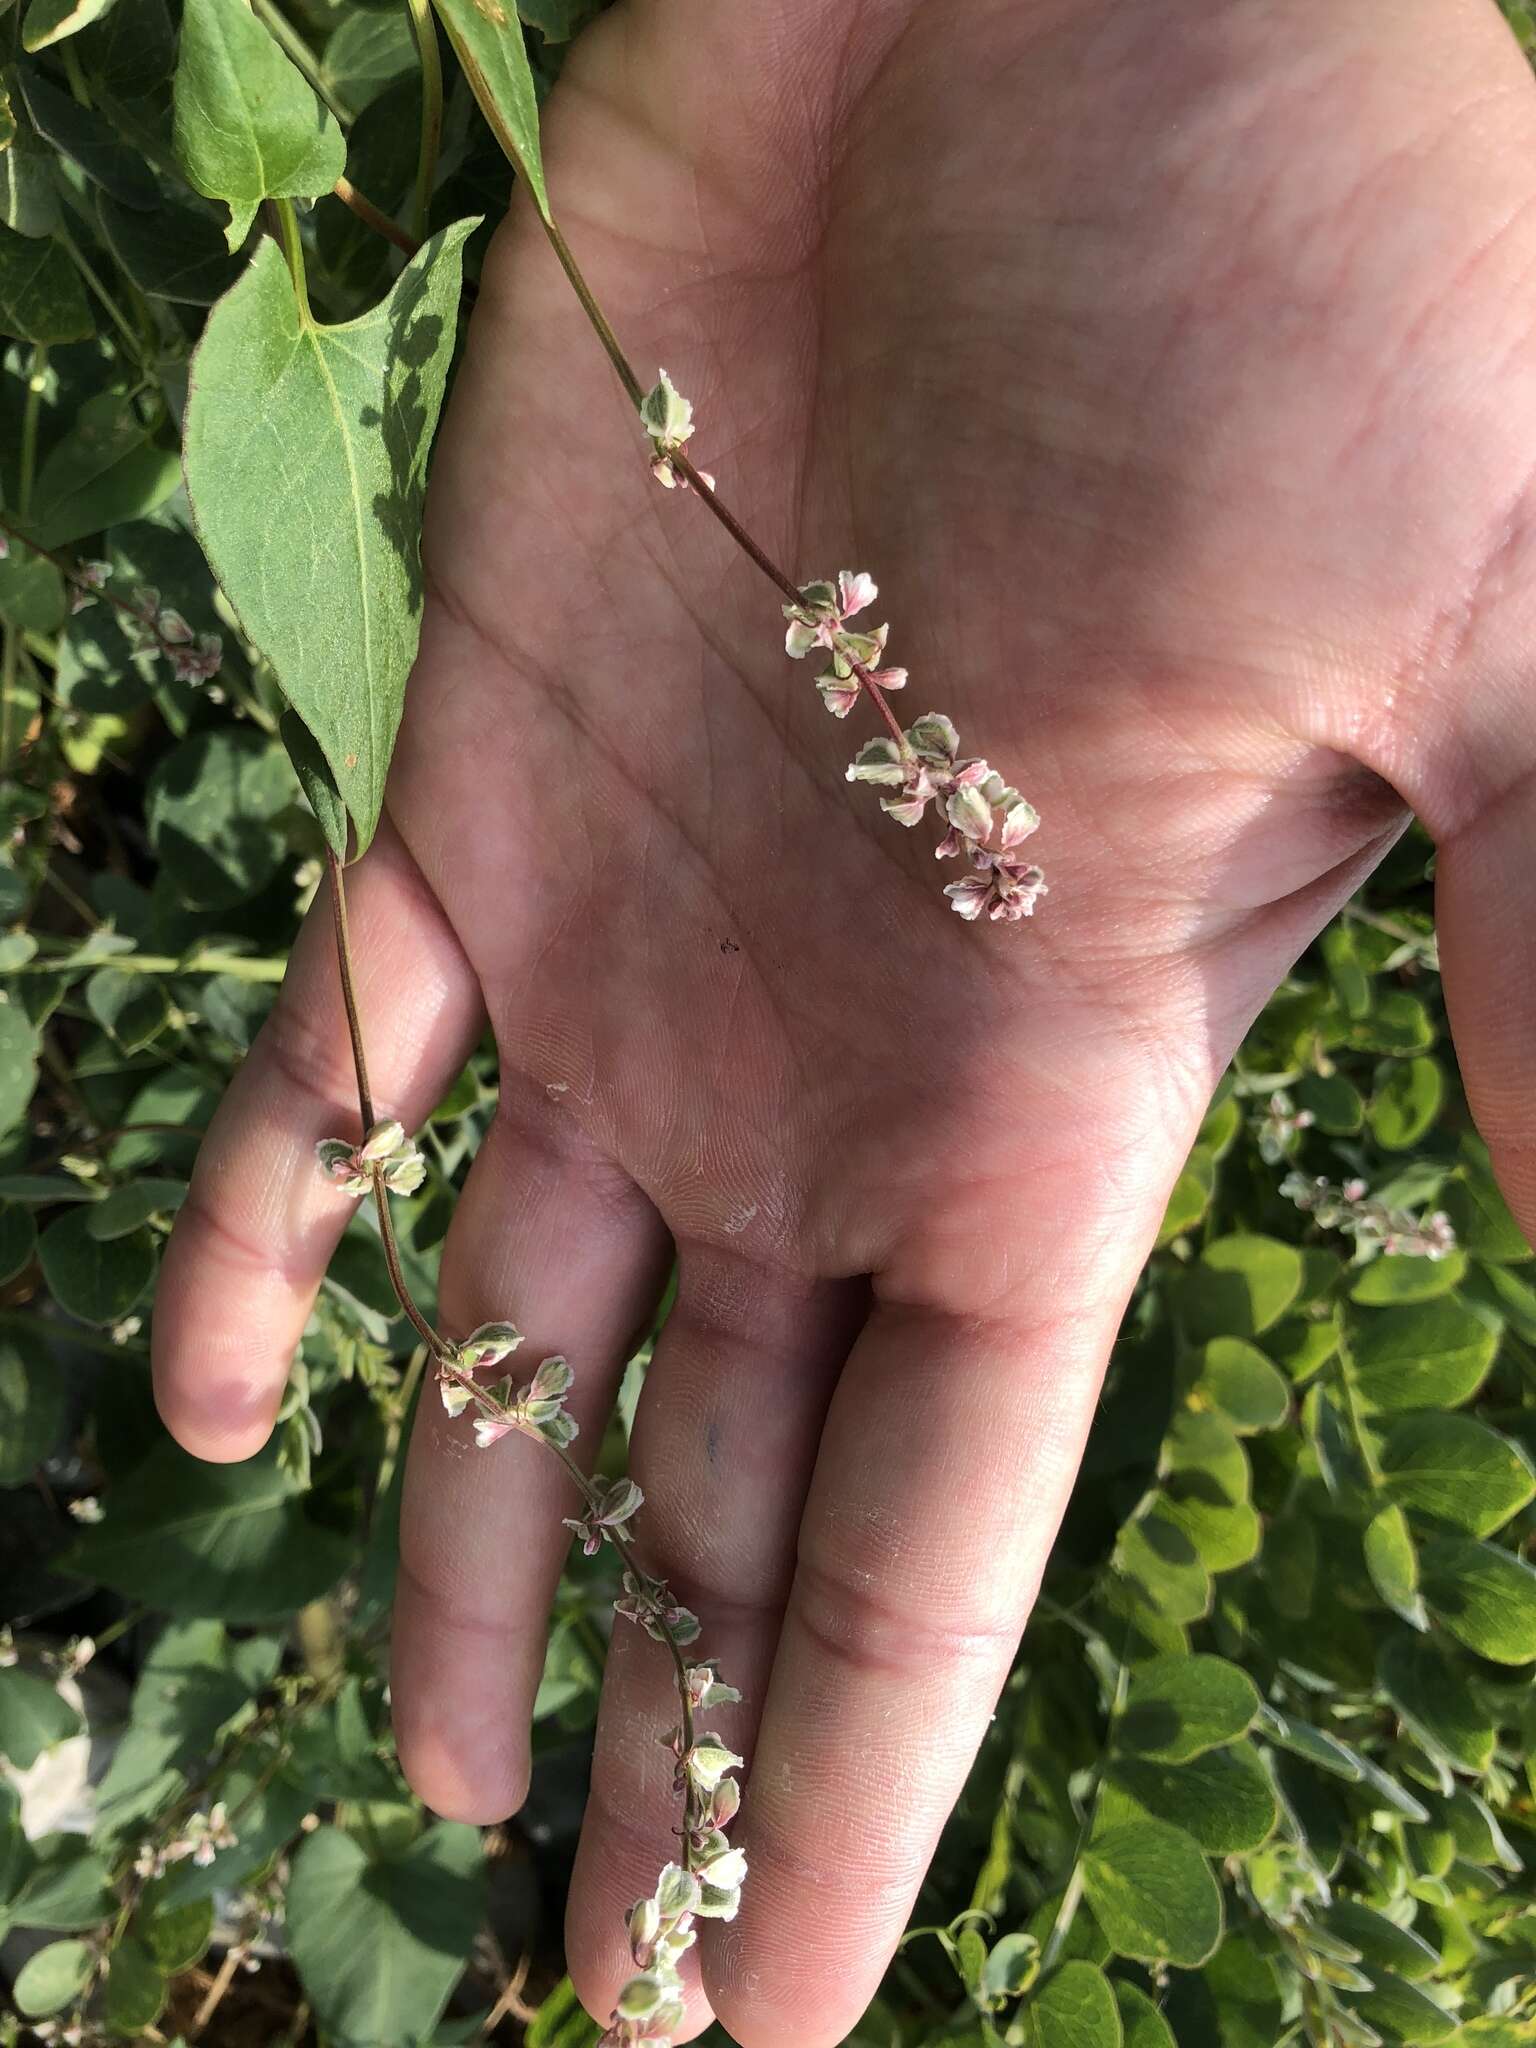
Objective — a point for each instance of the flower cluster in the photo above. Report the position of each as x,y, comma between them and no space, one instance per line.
650,2006
204,1835
608,1513
986,819
158,629
537,1409
649,1604
1371,1223
1278,1128
350,1167
820,620
668,419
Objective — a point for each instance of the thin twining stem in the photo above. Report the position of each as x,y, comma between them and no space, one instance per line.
444,1352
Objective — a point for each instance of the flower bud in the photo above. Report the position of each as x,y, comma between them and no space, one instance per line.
385,1138
644,1927
708,1761
677,1892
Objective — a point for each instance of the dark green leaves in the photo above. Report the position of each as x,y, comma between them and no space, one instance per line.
41,297
380,1943
216,806
98,1281
234,1541
306,454
33,1717
248,127
1153,1894
1074,2008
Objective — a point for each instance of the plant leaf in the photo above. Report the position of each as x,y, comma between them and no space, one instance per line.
1457,1470
380,1944
1179,1706
1434,1354
248,126
1485,1596
41,298
306,454
487,39
1074,2008
1153,1894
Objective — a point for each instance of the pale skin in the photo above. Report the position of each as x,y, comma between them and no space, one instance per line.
1173,369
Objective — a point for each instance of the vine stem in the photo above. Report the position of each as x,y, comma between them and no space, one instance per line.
443,1351
751,548
301,54
425,30
374,216
293,249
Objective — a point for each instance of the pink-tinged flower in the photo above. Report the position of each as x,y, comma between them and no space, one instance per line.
856,591
173,628
607,1514
707,1689
85,579
644,1930
5,547
490,1429
838,696
708,1761
199,663
384,1139
970,814
647,1601
343,1167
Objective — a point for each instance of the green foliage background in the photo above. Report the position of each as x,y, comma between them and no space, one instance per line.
1262,1772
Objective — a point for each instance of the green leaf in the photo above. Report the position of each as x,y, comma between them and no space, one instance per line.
18,1240
229,1540
215,807
379,1945
1159,1560
326,578
98,1282
1398,1023
1207,1490
1483,1595
1434,1355
1239,1286
1314,1744
1485,1229
1153,1894
1457,1470
1382,1944
1395,1278
561,2021
1431,1693
33,1717
1393,1564
1074,2008
29,184
487,39
67,1890
86,139
176,252
1144,2024
1406,1102
108,468
128,1208
133,1009
50,21
1477,1834
247,125
1403,2010
32,1406
136,1989
365,53
1239,1382
316,781
1179,1706
1223,1798
41,298
1334,1103
176,1936
20,1042
32,594
53,1978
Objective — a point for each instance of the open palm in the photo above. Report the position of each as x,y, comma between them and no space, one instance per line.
1163,364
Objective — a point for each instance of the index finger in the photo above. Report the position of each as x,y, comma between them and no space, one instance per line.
257,1230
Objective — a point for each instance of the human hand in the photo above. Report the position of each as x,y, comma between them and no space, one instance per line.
1165,366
